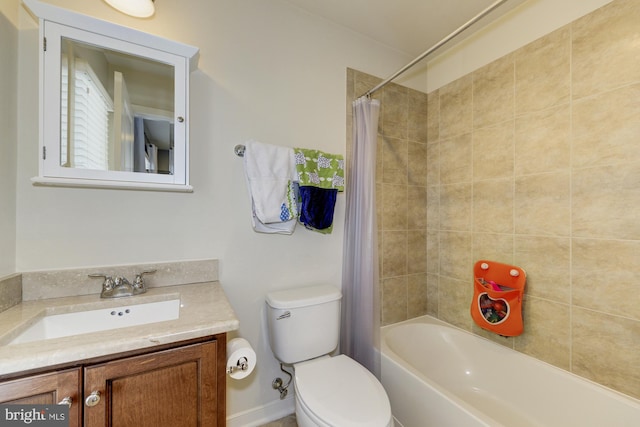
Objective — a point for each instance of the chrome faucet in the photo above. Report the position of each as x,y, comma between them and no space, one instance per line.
120,286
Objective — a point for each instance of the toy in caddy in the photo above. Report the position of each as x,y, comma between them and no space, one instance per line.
497,297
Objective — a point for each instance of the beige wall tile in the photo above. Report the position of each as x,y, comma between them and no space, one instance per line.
417,164
433,207
547,331
417,124
606,349
547,262
394,300
605,200
417,295
380,205
491,246
455,256
433,252
456,159
456,108
493,153
606,128
455,207
433,116
417,207
542,204
493,92
380,144
380,257
395,207
543,141
394,253
605,276
394,161
605,48
432,294
493,206
396,111
454,301
417,252
543,76
433,163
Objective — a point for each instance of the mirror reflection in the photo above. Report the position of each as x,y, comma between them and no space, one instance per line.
116,110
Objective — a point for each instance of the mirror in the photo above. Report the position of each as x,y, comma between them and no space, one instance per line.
113,105
116,110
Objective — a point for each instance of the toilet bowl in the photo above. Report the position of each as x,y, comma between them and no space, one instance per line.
304,327
338,391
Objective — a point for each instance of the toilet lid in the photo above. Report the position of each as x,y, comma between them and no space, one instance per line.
341,392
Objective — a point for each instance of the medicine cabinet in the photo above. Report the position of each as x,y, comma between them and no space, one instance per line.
114,104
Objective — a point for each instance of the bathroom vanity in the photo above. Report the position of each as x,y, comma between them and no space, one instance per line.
166,372
181,384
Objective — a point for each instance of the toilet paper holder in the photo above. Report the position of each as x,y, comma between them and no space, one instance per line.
241,365
241,359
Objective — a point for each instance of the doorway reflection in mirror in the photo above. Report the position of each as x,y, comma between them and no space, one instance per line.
116,111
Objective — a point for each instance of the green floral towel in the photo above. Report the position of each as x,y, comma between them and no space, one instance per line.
318,169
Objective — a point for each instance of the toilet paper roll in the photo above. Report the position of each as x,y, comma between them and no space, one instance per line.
241,358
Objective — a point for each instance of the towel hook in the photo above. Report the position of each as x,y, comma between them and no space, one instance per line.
239,150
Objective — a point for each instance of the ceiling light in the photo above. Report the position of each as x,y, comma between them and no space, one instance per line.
137,8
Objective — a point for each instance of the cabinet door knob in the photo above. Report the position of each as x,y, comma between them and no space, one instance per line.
66,401
93,399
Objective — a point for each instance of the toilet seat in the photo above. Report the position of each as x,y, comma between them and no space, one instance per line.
338,391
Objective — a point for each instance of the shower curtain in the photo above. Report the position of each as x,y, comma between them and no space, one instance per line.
359,338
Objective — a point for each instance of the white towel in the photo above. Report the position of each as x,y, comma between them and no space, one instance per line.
270,171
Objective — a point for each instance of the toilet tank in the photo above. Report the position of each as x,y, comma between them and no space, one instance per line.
303,323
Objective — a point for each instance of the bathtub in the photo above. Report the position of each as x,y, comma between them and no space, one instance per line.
438,375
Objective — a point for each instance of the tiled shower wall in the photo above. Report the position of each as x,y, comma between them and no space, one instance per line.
401,195
534,160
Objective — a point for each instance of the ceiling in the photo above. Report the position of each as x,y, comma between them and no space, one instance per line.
409,26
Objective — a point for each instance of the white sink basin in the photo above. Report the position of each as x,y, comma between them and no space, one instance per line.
83,322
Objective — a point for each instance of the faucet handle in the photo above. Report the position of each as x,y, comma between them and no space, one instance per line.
139,276
107,286
138,284
108,280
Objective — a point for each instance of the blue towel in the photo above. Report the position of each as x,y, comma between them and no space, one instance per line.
316,208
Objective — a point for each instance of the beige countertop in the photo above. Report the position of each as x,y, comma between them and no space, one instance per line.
204,310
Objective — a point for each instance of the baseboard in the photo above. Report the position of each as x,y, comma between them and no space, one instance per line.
262,414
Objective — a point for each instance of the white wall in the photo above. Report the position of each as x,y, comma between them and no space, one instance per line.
268,72
8,134
526,23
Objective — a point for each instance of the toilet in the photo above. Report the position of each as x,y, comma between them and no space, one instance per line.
304,326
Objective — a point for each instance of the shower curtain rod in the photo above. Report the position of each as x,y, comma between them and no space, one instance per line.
435,47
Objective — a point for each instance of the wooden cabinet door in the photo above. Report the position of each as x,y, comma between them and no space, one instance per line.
176,387
46,389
